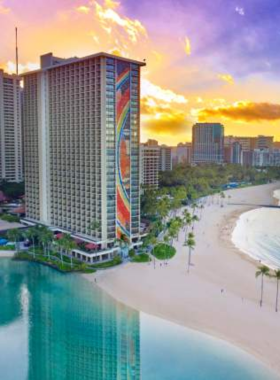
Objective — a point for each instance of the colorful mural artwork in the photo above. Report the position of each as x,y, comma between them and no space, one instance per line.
123,148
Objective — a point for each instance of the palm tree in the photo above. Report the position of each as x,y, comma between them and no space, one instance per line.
69,244
42,230
187,218
14,236
153,242
172,232
194,207
276,275
262,271
190,243
222,195
163,208
123,242
45,237
201,210
61,245
195,218
31,234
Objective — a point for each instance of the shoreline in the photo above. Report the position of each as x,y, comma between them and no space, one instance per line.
7,254
197,301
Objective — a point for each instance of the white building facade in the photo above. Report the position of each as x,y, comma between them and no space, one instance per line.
81,140
11,156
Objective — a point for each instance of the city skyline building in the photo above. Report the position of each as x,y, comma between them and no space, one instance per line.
182,154
208,143
266,157
11,149
165,158
149,165
82,136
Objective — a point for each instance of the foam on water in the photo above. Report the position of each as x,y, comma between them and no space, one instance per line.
276,195
257,234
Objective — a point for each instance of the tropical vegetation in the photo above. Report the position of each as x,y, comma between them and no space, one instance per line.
163,251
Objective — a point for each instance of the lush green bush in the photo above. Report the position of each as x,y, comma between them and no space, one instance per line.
187,183
164,251
108,264
131,253
10,218
11,189
7,247
56,264
141,258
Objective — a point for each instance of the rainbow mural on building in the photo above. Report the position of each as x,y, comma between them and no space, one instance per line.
123,148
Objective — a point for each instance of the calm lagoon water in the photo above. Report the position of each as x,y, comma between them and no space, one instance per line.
58,327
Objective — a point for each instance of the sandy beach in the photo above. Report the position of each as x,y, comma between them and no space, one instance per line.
7,254
197,300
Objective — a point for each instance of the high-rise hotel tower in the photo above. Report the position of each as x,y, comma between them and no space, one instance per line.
208,143
81,140
11,162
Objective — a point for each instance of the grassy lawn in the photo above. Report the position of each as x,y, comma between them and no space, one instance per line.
108,264
141,258
163,251
7,247
10,218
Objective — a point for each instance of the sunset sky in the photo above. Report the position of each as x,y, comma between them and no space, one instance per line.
207,60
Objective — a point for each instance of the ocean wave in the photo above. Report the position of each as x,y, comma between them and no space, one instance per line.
257,234
276,195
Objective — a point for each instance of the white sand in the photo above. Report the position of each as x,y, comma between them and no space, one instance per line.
196,300
7,254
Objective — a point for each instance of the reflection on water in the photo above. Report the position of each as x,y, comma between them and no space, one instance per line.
57,327
72,332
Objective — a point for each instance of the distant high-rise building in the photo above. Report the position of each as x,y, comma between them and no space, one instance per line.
165,158
182,154
236,153
266,157
247,157
265,142
11,160
81,138
149,166
208,143
151,142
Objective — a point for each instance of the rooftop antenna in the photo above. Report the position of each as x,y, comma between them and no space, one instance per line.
16,51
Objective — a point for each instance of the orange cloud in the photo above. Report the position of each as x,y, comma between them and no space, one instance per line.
112,4
83,9
10,67
226,78
243,111
188,46
160,118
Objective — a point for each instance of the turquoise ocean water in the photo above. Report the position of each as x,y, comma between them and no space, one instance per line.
59,327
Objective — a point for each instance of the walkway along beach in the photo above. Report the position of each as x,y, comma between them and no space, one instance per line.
220,296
